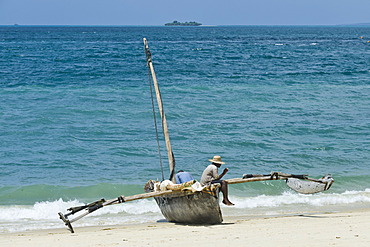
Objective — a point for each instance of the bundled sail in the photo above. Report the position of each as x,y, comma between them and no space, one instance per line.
171,158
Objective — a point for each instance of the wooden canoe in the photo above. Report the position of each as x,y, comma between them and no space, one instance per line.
190,207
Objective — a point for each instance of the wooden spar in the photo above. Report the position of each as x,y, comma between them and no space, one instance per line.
272,176
181,207
102,203
171,158
259,177
245,180
141,196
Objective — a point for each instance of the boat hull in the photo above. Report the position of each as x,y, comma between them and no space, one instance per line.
190,208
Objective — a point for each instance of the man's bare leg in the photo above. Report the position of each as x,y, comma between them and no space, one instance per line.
224,190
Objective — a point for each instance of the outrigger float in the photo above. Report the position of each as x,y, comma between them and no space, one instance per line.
190,202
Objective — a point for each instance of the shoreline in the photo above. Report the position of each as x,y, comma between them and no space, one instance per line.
322,229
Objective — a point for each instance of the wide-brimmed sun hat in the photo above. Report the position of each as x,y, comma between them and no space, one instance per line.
217,159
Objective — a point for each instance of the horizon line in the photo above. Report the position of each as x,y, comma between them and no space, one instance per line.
147,25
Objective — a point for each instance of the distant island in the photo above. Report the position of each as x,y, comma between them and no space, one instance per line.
176,23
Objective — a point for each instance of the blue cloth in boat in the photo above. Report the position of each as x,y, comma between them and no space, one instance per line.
183,177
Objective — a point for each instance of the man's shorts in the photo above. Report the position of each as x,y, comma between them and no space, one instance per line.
216,181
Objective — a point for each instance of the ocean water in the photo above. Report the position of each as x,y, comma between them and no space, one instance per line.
76,121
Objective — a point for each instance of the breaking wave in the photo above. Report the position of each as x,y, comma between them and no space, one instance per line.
44,215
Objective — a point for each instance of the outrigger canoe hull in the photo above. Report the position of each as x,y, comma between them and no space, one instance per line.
190,207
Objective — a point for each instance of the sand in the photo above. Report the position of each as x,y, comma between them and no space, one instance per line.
326,229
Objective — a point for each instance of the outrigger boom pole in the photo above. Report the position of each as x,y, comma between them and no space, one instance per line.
91,207
299,183
271,176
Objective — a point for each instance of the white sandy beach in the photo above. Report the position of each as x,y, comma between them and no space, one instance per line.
330,229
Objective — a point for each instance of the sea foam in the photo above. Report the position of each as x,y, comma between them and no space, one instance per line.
44,215
291,198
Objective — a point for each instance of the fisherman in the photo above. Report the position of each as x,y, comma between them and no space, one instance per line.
210,176
183,177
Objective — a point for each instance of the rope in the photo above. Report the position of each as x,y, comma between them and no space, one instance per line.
121,199
155,120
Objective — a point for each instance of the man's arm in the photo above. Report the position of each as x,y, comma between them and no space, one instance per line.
223,173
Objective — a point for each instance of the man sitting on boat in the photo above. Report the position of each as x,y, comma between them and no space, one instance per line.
210,176
183,177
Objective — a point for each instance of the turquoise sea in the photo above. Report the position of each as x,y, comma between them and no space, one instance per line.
76,120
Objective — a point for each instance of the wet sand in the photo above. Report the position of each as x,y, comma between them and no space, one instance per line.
331,229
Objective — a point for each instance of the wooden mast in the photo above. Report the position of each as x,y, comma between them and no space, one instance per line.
171,158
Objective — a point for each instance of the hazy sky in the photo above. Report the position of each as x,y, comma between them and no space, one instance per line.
207,12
